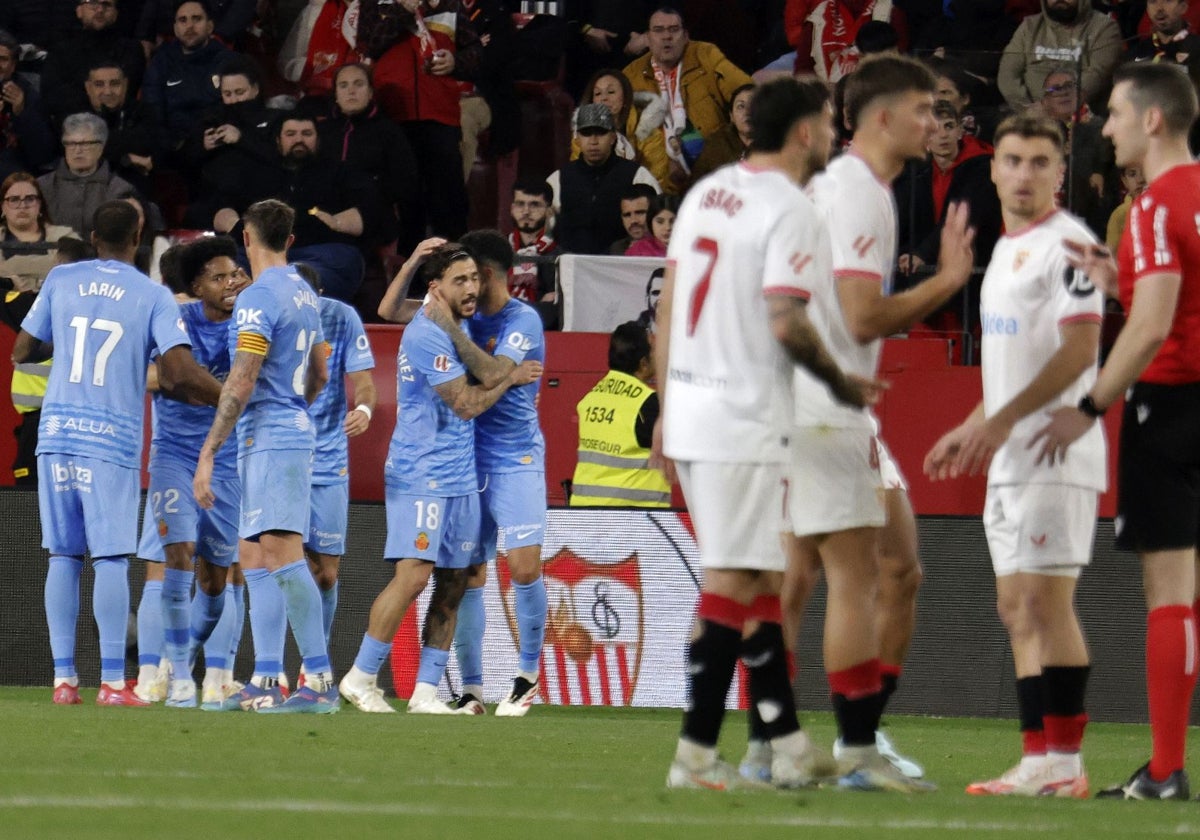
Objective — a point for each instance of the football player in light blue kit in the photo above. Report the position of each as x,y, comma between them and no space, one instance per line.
431,489
174,527
350,357
510,456
278,369
102,320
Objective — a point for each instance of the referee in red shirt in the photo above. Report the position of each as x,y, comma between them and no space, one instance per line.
1157,279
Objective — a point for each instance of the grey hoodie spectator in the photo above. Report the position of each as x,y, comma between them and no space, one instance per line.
1066,32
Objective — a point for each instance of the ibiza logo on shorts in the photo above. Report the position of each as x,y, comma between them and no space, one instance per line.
441,363
162,527
422,541
71,475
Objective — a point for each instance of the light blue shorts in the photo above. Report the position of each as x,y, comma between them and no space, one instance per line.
443,531
276,485
173,515
87,506
329,512
514,503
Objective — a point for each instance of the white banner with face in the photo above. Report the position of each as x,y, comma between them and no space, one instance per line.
601,293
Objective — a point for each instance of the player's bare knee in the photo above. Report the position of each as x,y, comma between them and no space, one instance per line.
477,576
448,588
210,578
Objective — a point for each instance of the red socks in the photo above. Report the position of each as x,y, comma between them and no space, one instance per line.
1170,679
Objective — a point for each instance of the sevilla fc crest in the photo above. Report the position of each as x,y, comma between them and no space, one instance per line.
595,628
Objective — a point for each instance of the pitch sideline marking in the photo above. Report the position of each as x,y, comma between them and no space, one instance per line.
112,803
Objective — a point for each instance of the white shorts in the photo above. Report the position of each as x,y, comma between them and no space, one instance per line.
738,513
1044,529
833,481
890,477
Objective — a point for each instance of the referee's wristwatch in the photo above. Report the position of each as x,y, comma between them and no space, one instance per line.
1087,406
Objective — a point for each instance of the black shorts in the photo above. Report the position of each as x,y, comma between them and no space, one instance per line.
1158,472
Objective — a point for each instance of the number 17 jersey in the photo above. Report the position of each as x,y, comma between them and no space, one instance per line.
742,234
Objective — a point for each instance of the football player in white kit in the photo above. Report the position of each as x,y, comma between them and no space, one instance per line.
889,107
1041,335
748,247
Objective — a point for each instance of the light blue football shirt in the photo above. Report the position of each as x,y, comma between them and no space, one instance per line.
106,320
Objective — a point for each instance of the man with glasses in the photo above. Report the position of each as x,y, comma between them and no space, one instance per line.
68,63
696,80
26,139
83,180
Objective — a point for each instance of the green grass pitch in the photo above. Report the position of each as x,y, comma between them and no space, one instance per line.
88,772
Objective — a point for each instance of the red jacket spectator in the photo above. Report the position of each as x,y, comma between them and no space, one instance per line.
403,43
835,23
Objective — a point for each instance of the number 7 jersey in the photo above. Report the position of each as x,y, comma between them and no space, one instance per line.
742,235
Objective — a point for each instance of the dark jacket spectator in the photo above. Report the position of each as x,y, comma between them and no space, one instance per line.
232,137
179,79
68,63
133,137
39,22
356,132
588,190
231,19
339,214
27,143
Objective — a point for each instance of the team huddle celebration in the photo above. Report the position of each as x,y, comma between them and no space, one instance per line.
778,292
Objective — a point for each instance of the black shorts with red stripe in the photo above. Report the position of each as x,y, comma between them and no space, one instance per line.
1158,473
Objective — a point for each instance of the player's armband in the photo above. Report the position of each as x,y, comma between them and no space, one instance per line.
253,343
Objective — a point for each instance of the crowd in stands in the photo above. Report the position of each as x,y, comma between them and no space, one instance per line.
379,120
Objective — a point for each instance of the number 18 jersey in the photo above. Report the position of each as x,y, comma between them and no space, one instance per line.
742,234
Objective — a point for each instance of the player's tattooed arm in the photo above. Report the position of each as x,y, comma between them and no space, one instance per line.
239,385
448,588
488,369
793,329
29,349
469,401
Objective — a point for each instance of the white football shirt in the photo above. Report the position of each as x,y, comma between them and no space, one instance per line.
1029,292
741,234
860,212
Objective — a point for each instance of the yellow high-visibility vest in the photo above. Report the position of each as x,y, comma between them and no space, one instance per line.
29,381
612,469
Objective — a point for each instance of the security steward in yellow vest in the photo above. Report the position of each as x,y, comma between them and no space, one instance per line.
616,423
29,382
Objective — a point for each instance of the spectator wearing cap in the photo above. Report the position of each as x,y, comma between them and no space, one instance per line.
27,142
588,190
